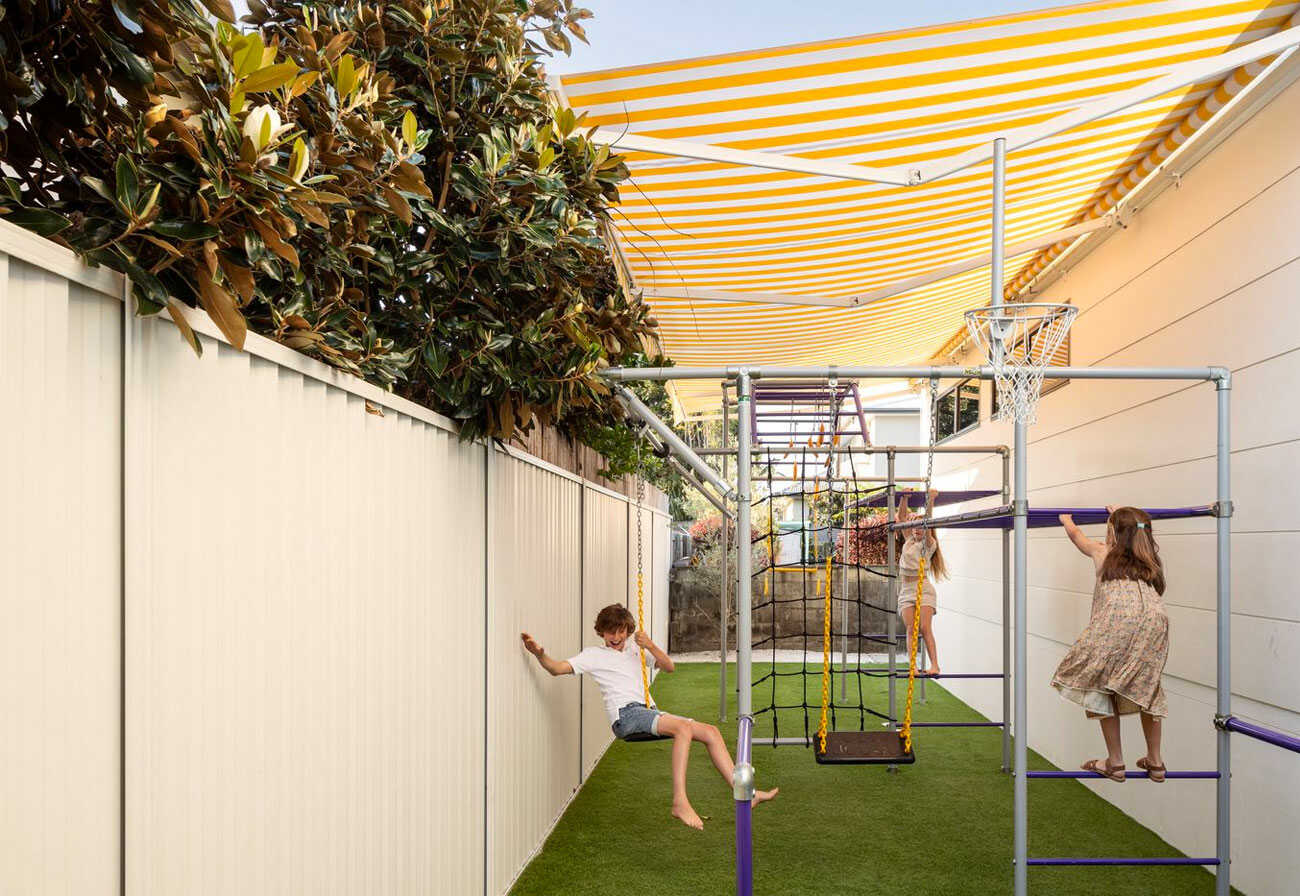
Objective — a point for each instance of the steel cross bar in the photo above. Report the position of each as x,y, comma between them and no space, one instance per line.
893,373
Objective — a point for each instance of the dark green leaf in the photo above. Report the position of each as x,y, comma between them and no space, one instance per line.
38,220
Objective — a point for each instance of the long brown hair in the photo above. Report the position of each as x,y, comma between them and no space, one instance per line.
935,568
1134,553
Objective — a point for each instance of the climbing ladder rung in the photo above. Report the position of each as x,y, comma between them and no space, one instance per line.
954,675
1082,774
1172,860
956,724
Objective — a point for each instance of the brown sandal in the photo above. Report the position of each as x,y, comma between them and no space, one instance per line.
1099,767
1154,772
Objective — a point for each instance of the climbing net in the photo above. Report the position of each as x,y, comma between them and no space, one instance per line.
820,535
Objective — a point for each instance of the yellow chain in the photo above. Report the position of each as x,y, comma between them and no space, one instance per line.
640,624
826,661
911,655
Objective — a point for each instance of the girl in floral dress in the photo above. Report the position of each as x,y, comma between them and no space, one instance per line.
1114,667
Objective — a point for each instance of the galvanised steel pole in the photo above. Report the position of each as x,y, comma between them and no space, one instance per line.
1020,798
892,600
1223,678
1020,510
1006,620
725,560
743,777
949,372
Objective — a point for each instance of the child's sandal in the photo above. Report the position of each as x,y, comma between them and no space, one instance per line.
1099,767
1154,772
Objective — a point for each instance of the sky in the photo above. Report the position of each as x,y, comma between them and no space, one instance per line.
631,32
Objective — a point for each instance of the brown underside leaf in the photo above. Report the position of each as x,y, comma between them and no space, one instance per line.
223,310
274,242
399,205
240,277
187,332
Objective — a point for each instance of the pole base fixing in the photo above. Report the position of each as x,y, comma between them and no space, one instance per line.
742,783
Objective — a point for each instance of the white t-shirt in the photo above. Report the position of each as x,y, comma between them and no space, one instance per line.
617,673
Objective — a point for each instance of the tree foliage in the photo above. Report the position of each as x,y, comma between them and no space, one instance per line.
383,184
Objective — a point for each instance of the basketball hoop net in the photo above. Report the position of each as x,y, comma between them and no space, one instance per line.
1020,340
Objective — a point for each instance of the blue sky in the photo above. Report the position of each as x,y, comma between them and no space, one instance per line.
629,32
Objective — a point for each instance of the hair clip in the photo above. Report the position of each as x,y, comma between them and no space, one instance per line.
1140,525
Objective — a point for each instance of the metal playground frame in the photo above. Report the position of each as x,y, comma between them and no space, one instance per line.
743,785
889,486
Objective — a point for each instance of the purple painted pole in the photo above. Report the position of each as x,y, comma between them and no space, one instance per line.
1267,735
744,817
1214,775
957,675
1177,860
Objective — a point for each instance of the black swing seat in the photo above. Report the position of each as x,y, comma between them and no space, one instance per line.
644,738
862,748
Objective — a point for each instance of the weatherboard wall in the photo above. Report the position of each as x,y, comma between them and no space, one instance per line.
1207,274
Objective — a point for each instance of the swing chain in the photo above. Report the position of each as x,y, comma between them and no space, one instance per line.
921,571
640,579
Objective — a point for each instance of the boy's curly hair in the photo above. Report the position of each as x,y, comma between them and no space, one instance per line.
615,618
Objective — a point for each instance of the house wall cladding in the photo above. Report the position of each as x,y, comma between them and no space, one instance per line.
256,638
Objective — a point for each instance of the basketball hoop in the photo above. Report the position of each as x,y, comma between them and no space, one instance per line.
1020,340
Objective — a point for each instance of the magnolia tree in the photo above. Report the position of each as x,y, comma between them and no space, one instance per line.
386,185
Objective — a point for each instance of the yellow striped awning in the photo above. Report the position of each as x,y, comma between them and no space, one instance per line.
718,247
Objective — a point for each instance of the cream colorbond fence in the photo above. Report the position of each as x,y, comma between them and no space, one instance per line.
254,638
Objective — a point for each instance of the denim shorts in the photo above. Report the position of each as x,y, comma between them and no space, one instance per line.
636,718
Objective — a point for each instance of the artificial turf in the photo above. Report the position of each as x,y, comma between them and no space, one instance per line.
939,827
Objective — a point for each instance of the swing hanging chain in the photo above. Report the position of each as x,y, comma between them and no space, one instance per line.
640,580
921,572
826,662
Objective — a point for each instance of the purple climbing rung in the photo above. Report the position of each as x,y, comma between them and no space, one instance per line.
1267,735
956,724
1174,860
1126,775
955,675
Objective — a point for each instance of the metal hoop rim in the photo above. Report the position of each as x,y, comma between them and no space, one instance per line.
1047,309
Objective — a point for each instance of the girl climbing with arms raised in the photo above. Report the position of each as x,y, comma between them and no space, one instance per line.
1114,667
918,543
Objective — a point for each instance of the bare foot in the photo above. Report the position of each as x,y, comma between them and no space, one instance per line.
934,673
762,796
686,813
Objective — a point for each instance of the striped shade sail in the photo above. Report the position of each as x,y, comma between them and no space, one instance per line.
716,246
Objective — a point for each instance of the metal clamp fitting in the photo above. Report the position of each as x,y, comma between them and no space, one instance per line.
1221,722
742,782
1223,509
1020,508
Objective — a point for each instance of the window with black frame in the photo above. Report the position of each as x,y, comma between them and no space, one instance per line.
958,410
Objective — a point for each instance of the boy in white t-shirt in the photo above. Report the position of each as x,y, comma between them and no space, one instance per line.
616,667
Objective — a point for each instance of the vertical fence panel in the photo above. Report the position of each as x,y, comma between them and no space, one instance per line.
60,541
657,576
533,728
605,573
306,638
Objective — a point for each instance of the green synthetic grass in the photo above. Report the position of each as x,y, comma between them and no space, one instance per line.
939,827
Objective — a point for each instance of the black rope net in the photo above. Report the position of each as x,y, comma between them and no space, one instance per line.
825,530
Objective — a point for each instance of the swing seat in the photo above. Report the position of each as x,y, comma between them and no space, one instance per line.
645,738
863,748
